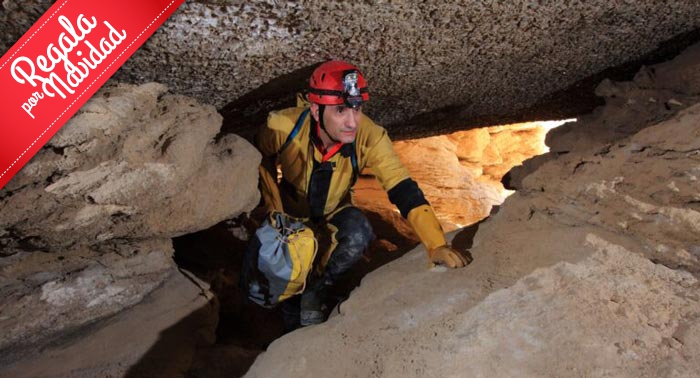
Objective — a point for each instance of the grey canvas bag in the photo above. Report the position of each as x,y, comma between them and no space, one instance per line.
278,260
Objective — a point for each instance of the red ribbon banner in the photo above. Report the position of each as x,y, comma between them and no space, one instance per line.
61,62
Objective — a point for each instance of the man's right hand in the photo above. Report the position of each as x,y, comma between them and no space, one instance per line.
445,255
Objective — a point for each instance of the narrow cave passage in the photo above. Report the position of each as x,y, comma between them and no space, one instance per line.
460,174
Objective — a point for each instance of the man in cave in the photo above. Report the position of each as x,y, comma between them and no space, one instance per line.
331,141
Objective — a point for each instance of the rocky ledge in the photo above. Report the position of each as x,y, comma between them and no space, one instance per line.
87,224
590,269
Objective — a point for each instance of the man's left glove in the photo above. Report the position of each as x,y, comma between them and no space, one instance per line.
445,255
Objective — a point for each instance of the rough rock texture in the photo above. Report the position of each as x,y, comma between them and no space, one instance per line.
86,226
614,314
103,199
141,341
645,186
459,173
655,93
490,152
45,295
454,61
590,269
129,165
597,317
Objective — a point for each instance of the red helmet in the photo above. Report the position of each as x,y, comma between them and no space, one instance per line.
336,82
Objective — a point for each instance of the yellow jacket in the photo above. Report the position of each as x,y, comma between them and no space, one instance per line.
374,150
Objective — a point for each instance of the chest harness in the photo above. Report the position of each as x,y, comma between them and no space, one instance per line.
322,172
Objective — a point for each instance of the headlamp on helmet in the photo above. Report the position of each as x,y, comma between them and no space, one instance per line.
338,83
351,90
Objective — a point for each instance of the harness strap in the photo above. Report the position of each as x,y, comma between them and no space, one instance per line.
330,92
297,128
355,169
321,175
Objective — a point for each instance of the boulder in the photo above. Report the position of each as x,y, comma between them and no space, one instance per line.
133,163
87,223
158,337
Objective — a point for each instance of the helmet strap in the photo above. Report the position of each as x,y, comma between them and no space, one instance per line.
321,109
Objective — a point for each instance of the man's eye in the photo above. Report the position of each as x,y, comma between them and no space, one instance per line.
340,109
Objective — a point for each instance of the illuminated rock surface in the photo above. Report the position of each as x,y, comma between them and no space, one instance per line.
589,269
460,173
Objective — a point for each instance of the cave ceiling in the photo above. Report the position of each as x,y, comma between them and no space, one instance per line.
432,67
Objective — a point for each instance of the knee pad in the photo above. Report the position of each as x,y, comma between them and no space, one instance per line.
354,234
354,229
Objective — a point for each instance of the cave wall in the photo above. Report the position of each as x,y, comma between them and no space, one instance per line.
431,66
459,173
453,61
87,225
590,269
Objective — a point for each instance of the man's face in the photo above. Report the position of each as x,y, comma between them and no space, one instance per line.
341,122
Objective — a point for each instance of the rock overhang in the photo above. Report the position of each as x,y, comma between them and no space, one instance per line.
433,67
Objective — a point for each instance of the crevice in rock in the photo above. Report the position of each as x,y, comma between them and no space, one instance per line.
245,329
244,115
578,166
559,214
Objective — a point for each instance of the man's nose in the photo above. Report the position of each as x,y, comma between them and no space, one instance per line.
353,120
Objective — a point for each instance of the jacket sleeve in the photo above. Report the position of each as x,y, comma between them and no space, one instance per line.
404,192
269,141
383,161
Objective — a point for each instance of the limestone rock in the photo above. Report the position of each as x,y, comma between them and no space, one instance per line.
87,224
447,54
133,163
451,60
459,173
656,93
44,296
613,314
645,187
596,317
590,269
155,338
681,74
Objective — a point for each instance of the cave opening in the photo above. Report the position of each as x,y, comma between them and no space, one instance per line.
460,174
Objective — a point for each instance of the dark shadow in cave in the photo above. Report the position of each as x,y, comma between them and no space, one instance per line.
244,115
165,358
215,255
578,98
464,239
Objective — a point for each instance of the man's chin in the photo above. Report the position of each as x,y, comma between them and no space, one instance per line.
347,138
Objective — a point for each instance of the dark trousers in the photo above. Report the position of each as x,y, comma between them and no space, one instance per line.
354,234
